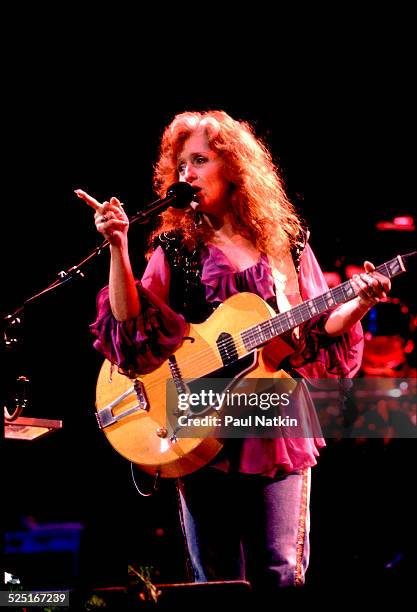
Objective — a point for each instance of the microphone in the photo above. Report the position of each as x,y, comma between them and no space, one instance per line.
179,195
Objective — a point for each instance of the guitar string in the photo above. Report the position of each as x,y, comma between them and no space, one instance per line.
256,335
208,358
252,337
246,340
277,325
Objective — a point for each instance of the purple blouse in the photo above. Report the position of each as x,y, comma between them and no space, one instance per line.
141,345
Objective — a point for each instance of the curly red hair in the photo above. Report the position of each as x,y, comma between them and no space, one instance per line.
261,209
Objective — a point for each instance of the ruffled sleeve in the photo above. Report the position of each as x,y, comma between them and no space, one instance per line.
140,345
319,355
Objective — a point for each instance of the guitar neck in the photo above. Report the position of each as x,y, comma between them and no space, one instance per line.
257,335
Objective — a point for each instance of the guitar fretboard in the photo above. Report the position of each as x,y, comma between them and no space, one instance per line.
262,332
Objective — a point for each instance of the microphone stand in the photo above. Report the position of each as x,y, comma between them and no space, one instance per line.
64,276
11,322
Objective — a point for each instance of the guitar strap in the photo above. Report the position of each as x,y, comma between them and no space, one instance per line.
285,274
287,291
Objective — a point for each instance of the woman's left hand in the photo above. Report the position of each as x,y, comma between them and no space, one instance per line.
370,286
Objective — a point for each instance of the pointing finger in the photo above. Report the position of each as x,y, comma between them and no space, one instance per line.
83,195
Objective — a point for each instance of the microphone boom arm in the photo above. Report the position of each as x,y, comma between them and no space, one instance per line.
178,195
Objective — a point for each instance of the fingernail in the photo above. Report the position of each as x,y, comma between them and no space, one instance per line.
77,192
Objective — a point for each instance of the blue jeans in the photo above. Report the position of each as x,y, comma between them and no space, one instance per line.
241,526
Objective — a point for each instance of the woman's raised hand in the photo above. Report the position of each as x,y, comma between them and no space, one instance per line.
110,218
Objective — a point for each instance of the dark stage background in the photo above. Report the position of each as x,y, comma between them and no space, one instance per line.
341,146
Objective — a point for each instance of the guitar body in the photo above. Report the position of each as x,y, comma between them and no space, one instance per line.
132,413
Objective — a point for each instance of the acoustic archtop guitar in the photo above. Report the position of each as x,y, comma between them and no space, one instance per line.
242,339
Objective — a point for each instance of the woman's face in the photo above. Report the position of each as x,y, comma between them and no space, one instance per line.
204,170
